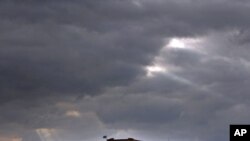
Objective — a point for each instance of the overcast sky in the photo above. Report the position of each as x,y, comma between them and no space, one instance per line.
156,70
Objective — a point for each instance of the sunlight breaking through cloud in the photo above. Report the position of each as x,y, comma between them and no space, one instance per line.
46,134
183,43
73,113
152,70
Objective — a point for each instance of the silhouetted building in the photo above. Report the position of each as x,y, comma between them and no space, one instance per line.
128,139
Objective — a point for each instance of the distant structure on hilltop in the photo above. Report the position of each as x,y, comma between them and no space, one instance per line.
128,139
112,139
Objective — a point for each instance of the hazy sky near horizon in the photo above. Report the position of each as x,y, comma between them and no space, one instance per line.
75,70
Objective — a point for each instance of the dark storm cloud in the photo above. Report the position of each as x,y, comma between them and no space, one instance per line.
84,46
216,95
60,56
54,51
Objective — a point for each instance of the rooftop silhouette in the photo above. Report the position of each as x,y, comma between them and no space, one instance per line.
128,139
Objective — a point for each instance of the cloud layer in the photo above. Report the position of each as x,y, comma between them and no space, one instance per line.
77,70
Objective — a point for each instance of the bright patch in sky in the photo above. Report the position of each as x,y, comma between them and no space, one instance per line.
46,134
183,43
151,70
137,3
10,138
176,43
73,113
126,134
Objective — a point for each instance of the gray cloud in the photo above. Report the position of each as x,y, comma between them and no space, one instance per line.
88,58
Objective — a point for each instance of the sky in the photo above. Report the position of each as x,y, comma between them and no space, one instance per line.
155,70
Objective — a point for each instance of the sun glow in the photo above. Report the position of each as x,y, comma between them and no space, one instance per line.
183,43
159,67
176,43
46,134
151,70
